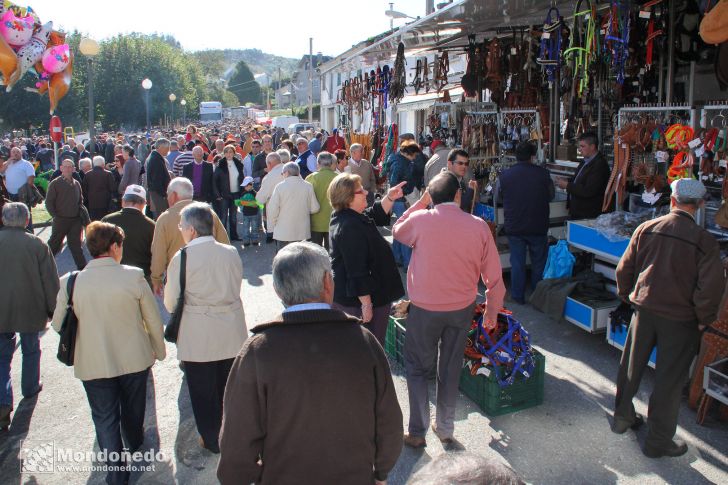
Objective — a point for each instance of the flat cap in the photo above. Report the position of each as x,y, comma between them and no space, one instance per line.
688,189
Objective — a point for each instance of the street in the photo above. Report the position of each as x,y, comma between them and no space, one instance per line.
566,440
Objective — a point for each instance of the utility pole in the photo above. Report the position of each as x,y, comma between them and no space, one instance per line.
278,104
310,79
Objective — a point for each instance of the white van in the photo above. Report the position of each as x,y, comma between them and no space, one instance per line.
284,121
297,128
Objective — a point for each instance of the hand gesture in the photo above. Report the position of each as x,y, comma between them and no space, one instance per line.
397,192
473,184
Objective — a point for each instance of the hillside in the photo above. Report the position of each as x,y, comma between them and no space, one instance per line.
218,63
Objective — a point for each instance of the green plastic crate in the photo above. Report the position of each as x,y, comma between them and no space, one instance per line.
394,340
494,400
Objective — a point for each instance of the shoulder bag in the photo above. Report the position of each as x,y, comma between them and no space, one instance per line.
69,327
172,329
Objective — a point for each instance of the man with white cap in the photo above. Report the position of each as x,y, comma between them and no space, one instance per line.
138,229
306,160
671,273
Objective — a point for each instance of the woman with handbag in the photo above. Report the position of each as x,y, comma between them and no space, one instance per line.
211,327
119,336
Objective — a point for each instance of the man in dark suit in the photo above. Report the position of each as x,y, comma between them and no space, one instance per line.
158,177
586,190
138,229
99,187
200,173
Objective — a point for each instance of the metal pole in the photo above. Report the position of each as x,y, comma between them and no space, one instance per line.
92,143
55,154
310,79
173,115
146,97
184,116
391,19
670,51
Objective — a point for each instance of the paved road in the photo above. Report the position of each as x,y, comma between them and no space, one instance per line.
564,441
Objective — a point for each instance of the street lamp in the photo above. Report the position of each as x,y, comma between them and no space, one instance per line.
147,85
184,112
394,14
90,49
172,97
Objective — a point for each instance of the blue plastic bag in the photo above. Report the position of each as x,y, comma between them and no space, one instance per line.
560,263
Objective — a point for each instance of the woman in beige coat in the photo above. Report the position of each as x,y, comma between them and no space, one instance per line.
212,329
119,336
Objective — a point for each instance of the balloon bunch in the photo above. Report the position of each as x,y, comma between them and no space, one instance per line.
25,44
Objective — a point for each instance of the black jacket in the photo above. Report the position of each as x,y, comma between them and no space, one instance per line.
207,193
138,235
586,192
259,165
221,179
362,259
108,152
526,190
157,173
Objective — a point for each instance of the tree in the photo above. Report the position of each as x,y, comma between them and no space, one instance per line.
243,84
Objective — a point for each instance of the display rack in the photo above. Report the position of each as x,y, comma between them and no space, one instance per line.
656,109
505,113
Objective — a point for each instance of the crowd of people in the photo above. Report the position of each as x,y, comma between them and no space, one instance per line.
158,215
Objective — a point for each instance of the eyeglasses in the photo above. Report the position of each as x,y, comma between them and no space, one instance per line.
462,164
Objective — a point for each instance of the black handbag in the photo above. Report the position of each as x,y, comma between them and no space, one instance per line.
69,327
172,329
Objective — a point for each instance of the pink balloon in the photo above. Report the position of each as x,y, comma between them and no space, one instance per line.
56,58
17,31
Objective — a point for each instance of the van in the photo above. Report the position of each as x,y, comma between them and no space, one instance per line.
297,128
284,121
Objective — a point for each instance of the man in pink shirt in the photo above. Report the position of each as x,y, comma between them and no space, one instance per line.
452,251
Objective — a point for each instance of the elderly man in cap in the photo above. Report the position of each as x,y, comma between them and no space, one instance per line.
672,275
306,160
138,229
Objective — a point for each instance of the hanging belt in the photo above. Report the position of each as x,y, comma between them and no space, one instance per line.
551,43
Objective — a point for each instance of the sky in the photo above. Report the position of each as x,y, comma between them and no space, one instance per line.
282,29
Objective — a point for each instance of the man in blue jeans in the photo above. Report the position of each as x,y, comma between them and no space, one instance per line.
28,292
526,190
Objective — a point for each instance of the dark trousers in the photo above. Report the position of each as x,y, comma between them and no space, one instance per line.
30,375
29,227
228,214
426,331
117,408
206,383
320,238
379,322
97,214
677,343
538,248
71,229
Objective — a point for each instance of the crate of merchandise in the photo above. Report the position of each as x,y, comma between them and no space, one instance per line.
483,388
394,339
715,380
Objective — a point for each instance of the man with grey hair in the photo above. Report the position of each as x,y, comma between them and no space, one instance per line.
17,173
320,181
306,159
284,357
672,274
85,164
28,290
64,202
167,238
99,187
274,175
138,229
290,207
158,177
358,165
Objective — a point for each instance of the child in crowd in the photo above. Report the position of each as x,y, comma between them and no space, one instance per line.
251,213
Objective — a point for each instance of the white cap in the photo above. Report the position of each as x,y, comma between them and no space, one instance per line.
137,190
247,180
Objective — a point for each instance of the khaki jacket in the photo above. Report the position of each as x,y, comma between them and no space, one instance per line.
274,177
168,240
119,327
213,322
290,209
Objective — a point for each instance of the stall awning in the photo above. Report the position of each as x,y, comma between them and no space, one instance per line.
424,101
449,28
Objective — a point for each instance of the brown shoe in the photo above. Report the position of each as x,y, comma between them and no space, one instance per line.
414,441
446,440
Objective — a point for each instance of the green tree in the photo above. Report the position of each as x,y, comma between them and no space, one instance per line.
243,84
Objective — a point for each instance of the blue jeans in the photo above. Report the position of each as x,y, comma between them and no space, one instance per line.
30,376
117,407
538,247
402,252
251,228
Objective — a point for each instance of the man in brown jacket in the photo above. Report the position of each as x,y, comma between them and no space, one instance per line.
63,202
167,237
361,167
672,274
310,397
99,186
